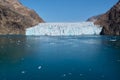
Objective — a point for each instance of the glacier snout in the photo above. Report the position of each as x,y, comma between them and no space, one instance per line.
64,29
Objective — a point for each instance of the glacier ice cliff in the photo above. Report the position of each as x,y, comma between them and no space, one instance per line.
64,29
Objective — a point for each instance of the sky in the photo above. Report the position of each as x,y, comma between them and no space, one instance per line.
68,10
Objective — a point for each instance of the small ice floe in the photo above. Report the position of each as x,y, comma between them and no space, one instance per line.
52,43
18,41
39,67
81,75
113,40
64,75
28,45
69,73
23,72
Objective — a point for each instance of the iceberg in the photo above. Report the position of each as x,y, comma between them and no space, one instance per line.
64,29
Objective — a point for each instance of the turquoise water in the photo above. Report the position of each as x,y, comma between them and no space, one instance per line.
60,58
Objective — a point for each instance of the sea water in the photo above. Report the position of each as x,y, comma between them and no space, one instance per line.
59,58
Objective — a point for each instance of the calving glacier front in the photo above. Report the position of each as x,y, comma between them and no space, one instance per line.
64,29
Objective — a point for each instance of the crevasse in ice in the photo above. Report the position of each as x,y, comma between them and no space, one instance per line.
64,29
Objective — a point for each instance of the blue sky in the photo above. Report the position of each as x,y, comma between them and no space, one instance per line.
68,10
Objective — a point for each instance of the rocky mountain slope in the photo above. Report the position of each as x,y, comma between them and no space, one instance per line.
94,18
110,21
15,18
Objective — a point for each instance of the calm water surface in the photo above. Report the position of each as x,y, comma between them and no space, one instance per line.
60,58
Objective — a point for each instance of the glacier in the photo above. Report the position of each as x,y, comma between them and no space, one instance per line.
64,29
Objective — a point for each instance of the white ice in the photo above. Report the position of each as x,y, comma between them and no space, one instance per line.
64,29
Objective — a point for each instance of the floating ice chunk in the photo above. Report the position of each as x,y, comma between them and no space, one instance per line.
28,45
64,75
52,43
18,41
69,73
23,72
81,74
113,40
39,67
64,29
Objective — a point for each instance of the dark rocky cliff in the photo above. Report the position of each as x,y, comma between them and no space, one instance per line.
110,21
94,18
15,18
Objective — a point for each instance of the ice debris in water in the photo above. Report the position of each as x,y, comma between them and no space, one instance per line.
28,45
64,75
39,67
23,72
18,41
69,73
113,40
81,74
64,29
